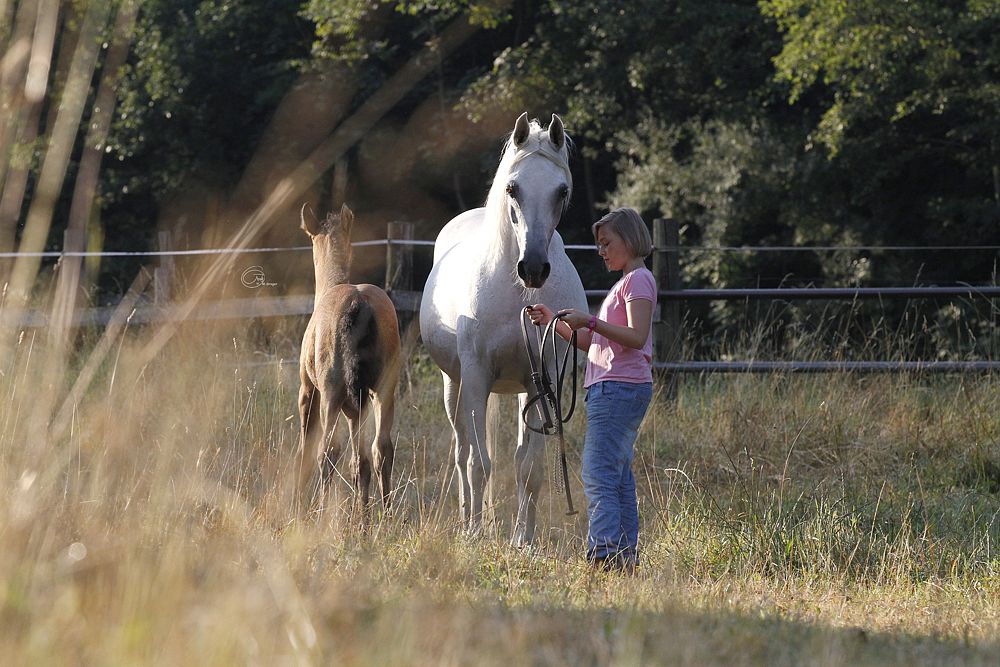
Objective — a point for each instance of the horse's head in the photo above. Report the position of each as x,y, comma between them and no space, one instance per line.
535,193
331,243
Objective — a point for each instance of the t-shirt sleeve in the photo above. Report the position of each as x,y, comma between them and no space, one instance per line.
639,285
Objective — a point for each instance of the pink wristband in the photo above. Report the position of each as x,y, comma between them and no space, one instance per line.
592,324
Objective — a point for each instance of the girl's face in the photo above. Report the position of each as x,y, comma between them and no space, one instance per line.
612,249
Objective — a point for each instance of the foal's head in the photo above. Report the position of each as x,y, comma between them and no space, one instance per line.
331,243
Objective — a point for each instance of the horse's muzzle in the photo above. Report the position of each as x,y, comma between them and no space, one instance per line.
533,276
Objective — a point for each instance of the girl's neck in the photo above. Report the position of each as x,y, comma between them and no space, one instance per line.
632,265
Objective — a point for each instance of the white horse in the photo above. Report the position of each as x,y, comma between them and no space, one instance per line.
489,263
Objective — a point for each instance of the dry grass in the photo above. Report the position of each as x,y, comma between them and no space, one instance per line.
787,520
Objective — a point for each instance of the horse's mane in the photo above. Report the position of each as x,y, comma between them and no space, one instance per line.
497,212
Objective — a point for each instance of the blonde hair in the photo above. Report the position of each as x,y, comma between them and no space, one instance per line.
629,225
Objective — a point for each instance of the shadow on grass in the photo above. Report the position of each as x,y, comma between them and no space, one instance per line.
428,633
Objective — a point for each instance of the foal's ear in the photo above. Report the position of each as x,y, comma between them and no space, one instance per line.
346,218
310,225
557,135
521,130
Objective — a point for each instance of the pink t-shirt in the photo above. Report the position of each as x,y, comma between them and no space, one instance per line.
610,360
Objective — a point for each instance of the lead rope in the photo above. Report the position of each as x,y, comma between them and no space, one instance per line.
548,399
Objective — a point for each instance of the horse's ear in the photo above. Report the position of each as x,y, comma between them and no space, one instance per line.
346,217
310,225
521,130
557,135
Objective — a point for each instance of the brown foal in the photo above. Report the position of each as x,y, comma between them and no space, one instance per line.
349,364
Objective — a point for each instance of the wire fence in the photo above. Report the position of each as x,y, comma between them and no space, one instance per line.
55,254
666,327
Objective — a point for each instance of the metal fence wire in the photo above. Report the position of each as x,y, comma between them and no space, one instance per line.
667,325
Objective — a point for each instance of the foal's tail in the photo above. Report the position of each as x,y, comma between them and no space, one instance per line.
358,334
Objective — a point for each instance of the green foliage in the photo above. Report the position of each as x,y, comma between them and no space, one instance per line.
893,61
781,122
195,67
201,83
609,63
351,31
731,184
339,28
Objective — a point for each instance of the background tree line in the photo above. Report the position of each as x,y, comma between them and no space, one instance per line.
771,123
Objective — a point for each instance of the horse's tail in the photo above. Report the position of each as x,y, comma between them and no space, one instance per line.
358,333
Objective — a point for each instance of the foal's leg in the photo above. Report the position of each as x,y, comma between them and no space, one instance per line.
383,449
309,443
529,463
331,401
362,464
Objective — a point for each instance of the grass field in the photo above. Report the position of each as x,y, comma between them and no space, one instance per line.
795,520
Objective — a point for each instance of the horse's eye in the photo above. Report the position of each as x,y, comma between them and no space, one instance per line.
512,189
563,192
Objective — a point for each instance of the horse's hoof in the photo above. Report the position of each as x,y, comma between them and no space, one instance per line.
519,541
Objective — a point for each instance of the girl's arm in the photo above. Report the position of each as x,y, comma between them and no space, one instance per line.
639,312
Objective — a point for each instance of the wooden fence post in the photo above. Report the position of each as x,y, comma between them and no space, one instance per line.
163,274
68,287
70,267
398,257
399,269
667,270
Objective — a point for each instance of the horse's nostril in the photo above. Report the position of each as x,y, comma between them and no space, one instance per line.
533,276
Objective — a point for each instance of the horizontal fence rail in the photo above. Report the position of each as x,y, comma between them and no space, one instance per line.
224,309
827,366
667,320
667,324
806,293
55,254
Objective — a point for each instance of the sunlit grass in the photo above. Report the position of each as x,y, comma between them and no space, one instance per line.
786,520
819,519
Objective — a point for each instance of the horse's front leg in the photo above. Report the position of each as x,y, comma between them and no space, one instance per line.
479,465
472,457
529,464
455,417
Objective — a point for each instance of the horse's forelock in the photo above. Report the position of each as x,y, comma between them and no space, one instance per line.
537,142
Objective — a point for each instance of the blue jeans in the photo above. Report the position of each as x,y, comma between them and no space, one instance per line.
614,413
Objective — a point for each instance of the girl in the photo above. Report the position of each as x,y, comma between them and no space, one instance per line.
619,386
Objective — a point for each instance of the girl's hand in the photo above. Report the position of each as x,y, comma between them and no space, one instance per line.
540,314
575,319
